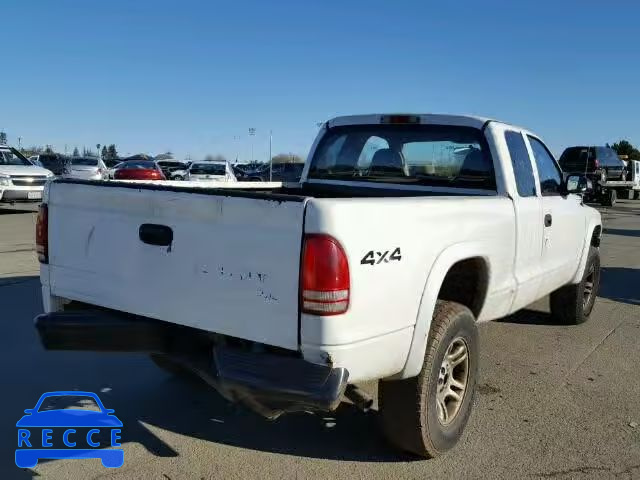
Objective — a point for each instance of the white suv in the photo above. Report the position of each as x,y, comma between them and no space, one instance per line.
20,180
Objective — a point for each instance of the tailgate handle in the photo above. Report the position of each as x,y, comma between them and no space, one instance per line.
153,234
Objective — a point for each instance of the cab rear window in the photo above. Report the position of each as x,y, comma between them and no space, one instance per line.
431,155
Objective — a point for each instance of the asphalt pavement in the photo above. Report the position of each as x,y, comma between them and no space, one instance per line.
553,401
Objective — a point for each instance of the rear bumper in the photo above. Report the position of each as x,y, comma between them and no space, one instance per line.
268,383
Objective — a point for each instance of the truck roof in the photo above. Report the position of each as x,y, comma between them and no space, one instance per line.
425,118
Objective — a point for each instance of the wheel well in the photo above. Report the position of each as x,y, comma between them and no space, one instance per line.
466,283
595,237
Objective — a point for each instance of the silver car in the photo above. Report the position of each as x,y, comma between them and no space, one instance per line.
210,171
87,168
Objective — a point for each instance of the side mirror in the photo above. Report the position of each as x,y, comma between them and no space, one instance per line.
29,411
576,184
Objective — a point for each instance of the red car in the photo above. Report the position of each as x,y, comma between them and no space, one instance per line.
138,170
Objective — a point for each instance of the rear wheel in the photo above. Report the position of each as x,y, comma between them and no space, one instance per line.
426,415
572,304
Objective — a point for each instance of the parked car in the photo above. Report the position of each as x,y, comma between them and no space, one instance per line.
210,171
597,163
138,170
404,232
87,168
280,172
173,169
20,179
54,162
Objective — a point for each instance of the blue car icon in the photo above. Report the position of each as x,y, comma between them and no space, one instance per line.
37,430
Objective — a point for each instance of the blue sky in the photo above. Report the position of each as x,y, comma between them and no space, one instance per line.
193,76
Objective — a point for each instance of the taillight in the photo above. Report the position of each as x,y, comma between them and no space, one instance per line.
324,276
42,234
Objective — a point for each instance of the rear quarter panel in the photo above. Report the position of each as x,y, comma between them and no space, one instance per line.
389,297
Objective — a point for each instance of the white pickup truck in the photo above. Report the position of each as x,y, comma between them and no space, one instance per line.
404,232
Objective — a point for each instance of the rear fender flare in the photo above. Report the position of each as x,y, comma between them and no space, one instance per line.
443,263
593,224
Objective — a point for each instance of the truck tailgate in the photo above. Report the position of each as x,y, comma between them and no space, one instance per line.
232,266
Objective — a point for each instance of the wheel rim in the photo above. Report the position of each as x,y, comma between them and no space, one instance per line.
588,287
452,381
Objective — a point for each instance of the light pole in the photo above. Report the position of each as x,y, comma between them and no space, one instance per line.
236,140
252,133
270,156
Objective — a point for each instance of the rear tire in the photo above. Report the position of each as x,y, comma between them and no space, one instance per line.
572,304
422,415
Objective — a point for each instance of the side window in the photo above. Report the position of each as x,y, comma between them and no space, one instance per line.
521,162
548,172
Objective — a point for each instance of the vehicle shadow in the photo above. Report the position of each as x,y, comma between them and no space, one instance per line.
197,411
620,284
147,399
622,232
529,317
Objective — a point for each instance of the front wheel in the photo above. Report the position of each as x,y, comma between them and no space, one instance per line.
426,415
572,304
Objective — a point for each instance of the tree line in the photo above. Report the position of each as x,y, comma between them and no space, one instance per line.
625,148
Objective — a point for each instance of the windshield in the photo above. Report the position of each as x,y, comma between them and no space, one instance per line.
208,169
89,162
433,155
137,164
13,157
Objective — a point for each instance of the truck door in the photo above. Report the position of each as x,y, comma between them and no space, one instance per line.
528,210
563,223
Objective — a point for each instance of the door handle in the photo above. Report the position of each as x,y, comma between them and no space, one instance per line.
548,220
153,234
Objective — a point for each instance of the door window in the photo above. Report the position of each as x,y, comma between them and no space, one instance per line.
548,171
521,162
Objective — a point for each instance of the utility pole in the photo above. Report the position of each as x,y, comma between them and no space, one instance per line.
252,133
270,156
236,140
20,143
